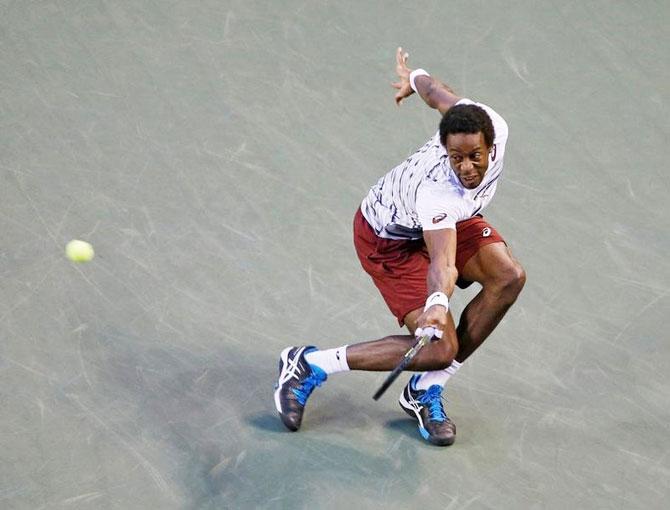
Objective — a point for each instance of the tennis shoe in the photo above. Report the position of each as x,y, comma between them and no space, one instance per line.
297,380
427,408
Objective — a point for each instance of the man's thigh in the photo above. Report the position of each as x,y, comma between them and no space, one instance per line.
397,268
491,262
479,246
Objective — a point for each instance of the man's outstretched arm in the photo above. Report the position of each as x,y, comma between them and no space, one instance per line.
434,93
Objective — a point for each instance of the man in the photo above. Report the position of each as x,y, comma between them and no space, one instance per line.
418,234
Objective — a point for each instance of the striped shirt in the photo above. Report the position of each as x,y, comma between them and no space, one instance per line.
424,193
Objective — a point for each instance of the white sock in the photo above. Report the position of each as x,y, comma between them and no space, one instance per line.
331,361
439,377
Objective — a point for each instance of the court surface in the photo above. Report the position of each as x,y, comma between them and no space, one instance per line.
214,153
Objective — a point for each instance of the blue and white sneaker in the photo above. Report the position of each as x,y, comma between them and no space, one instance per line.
426,406
297,380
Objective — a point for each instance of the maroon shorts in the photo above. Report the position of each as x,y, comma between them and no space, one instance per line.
399,268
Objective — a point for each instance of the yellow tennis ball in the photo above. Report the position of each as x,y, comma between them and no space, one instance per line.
79,251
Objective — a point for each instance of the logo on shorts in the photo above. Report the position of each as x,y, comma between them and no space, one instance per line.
439,217
486,232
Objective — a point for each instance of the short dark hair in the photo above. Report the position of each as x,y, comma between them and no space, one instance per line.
467,118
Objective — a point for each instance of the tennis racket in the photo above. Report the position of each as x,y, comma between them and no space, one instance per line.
406,360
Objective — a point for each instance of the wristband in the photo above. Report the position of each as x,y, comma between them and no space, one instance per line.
413,75
437,298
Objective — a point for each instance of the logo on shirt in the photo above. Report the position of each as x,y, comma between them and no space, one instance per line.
486,232
439,218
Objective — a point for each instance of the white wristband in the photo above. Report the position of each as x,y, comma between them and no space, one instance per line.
413,75
437,298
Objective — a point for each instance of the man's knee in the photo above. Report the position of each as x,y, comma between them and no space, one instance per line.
443,352
509,280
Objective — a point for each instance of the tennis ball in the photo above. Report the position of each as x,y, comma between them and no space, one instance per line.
79,251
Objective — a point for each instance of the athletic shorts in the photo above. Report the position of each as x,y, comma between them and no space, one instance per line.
399,268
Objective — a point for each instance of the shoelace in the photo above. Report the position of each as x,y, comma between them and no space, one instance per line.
433,398
307,386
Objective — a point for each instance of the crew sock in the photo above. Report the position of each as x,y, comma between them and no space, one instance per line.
331,361
439,377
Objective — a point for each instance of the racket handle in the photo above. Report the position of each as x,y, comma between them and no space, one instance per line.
404,362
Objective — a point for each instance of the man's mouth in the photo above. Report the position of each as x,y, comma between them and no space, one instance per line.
469,179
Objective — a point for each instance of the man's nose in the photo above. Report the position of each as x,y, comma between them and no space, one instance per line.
466,165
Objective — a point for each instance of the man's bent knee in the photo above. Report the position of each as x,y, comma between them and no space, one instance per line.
516,278
439,355
509,281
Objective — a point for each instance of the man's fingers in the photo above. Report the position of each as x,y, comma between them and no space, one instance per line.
401,57
403,91
403,73
428,330
399,97
433,331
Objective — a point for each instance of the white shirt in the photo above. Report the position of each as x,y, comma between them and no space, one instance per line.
424,192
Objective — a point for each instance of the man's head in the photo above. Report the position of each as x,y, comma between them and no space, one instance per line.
467,133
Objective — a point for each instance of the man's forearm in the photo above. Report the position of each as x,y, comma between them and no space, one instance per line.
435,93
441,279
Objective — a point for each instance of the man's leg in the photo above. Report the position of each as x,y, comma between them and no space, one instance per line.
301,369
434,377
423,404
383,355
502,279
421,398
398,269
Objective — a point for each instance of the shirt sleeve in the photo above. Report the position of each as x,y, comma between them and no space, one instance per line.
438,208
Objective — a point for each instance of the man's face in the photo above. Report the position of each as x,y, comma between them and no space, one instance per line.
469,157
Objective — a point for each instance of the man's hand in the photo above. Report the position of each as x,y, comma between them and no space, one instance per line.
435,317
403,72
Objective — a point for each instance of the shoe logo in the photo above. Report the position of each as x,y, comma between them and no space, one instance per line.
439,218
486,232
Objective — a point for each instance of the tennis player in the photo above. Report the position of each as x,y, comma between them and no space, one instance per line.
419,233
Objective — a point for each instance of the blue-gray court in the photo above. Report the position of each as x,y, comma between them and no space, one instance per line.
214,153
